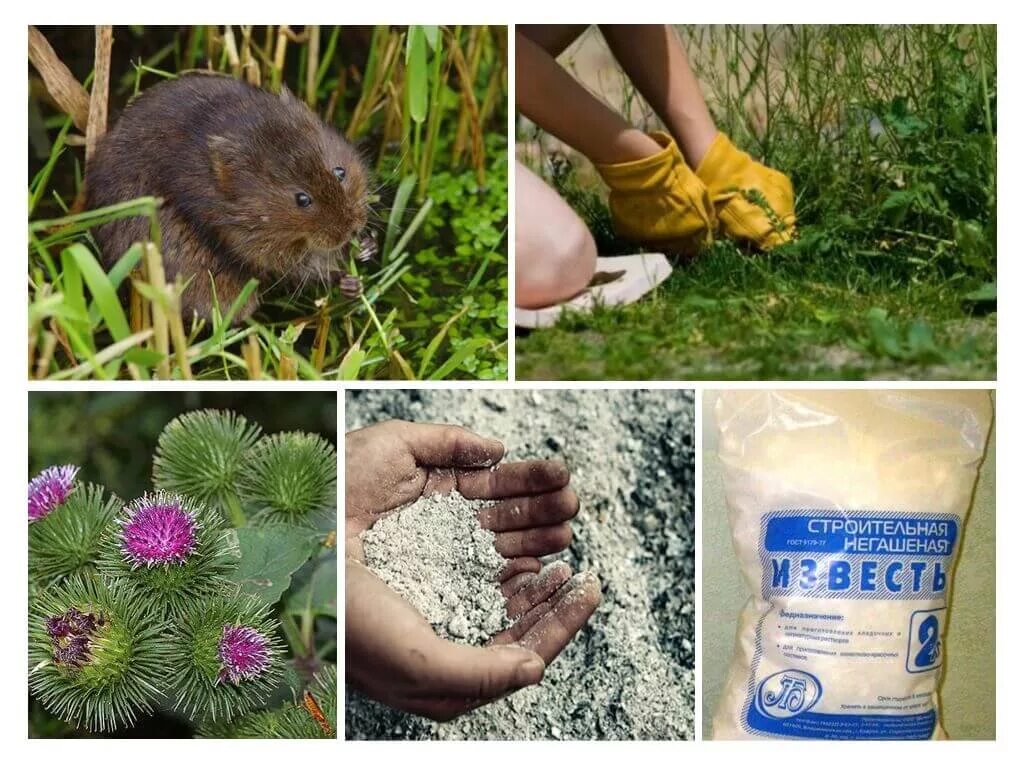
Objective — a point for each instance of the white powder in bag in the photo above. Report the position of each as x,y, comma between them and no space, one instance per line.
846,510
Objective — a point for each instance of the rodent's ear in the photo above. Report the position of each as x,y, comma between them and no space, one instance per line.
220,160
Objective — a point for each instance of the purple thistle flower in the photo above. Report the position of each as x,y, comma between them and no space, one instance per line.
80,623
244,652
158,530
71,635
74,653
57,626
49,489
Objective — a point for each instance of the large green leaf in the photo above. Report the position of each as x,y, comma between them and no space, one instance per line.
315,588
416,73
270,554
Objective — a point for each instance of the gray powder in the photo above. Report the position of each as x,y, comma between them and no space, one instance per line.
628,674
434,553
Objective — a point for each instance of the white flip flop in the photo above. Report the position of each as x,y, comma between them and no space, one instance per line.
618,280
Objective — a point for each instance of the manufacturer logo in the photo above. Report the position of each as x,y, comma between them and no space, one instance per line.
787,693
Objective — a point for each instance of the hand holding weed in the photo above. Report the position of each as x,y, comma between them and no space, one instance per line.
754,203
392,652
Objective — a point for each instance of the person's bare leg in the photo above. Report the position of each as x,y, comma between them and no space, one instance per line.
555,252
555,101
553,38
653,57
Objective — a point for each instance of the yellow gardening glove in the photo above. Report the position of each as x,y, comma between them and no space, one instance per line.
731,175
659,201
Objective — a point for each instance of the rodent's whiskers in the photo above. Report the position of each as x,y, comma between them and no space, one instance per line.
406,149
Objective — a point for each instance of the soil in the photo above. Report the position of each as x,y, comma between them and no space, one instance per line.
629,674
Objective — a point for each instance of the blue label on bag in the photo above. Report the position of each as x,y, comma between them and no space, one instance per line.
783,705
863,534
819,725
924,642
857,555
812,561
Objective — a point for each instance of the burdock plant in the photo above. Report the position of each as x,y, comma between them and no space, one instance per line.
309,715
200,455
173,549
67,539
197,597
97,655
289,478
226,658
49,489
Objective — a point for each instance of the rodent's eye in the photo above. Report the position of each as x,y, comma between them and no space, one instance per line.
303,200
339,173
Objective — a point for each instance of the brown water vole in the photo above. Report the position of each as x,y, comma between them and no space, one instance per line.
253,185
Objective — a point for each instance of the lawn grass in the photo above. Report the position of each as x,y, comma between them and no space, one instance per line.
889,136
425,105
731,315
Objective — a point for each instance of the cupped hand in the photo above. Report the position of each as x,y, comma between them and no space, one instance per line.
392,653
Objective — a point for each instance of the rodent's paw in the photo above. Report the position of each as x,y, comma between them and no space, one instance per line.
351,287
367,248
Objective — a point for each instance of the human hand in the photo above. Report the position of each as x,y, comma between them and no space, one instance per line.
754,203
392,653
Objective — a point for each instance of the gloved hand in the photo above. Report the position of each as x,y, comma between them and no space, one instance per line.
659,200
753,203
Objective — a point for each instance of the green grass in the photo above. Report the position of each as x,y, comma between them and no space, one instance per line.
427,106
889,136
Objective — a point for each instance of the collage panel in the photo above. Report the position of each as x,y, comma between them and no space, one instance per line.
519,564
182,565
755,202
263,203
848,558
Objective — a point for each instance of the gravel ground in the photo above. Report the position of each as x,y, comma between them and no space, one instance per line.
629,673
